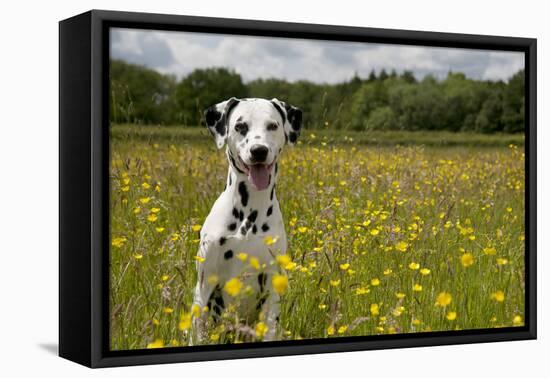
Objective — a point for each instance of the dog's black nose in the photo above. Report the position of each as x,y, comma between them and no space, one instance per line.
259,153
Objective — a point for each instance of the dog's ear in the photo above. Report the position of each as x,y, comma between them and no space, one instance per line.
216,118
292,119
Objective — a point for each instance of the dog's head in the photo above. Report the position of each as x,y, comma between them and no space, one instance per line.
255,131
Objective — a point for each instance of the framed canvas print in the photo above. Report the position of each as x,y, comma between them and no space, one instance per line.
235,188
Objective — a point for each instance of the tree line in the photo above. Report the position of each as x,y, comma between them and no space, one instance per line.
381,101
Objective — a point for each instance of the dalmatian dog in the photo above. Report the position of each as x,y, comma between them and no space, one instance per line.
247,212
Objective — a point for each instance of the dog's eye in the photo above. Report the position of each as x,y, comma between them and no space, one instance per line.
272,127
241,128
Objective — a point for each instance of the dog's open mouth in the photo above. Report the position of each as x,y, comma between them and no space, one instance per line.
258,174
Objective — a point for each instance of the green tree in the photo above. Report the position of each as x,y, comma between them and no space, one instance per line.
203,88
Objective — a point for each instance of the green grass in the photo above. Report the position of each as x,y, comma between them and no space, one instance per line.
344,201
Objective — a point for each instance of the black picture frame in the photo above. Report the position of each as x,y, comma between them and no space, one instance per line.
84,187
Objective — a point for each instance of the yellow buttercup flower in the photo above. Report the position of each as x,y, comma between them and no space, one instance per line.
118,242
145,200
334,282
375,282
261,329
185,321
451,315
280,283
152,217
467,259
158,343
330,330
417,287
233,287
425,271
195,227
270,240
344,266
402,246
490,251
414,266
443,299
255,263
498,296
374,309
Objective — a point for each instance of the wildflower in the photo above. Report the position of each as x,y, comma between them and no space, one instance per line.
261,329
425,271
280,283
330,330
199,258
174,237
145,200
196,310
322,306
158,343
498,296
269,240
165,277
125,188
137,210
155,210
417,287
374,231
145,185
138,256
334,283
416,322
196,227
414,266
443,299
502,261
374,309
361,291
185,321
517,321
387,272
400,295
242,256
302,229
467,259
375,282
168,310
344,266
489,251
255,263
118,242
159,229
233,287
451,315
402,246
342,329
152,217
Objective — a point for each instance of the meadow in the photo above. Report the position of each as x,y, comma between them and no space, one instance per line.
398,232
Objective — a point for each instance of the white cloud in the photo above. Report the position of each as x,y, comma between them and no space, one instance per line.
180,53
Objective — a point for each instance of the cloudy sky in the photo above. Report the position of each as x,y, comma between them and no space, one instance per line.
179,53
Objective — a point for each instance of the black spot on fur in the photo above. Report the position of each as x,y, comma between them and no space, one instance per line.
232,227
277,167
248,224
269,210
272,193
228,254
243,230
262,279
293,137
230,182
215,302
254,229
232,161
252,216
236,213
241,215
265,227
294,117
279,110
243,191
222,240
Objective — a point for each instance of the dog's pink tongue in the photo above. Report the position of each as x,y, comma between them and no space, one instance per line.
259,176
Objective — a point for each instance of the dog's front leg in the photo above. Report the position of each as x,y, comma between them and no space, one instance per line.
199,331
271,309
